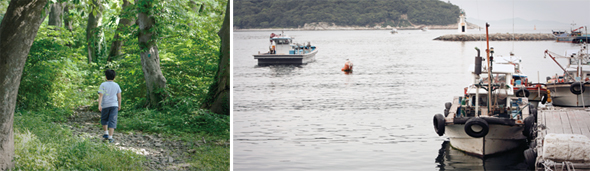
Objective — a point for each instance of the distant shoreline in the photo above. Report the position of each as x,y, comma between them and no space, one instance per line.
298,29
330,27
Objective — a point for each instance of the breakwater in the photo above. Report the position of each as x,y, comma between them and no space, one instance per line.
497,37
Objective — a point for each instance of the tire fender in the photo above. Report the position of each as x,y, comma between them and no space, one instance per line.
523,92
575,88
439,124
475,122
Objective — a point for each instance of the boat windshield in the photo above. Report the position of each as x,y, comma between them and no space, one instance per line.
283,41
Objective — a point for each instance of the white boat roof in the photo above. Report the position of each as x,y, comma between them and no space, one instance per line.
496,68
284,37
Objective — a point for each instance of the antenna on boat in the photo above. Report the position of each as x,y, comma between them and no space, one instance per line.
489,60
512,28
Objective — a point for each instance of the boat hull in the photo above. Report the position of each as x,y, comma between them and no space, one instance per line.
500,138
562,96
285,59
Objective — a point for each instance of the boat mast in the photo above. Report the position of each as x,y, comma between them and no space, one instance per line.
489,69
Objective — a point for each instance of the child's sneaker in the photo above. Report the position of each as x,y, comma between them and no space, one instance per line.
105,136
111,140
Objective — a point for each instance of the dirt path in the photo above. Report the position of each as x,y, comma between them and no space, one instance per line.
161,152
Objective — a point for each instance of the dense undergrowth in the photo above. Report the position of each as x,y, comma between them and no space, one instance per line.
57,79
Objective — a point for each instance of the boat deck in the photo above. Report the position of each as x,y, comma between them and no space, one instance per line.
561,120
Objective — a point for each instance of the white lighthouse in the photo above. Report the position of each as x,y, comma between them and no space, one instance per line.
462,24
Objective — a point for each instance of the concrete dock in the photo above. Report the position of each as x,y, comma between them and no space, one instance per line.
498,37
566,123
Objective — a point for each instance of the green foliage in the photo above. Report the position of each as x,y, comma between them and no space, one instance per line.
211,158
296,13
57,79
53,74
175,121
43,145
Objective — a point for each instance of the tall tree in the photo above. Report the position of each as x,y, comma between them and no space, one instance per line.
124,22
56,14
93,37
16,39
218,97
150,58
67,17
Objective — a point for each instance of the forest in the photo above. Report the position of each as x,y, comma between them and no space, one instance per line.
171,59
295,13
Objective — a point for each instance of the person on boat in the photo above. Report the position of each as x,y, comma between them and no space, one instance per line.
347,66
272,47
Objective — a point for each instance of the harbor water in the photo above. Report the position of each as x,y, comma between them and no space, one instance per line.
315,117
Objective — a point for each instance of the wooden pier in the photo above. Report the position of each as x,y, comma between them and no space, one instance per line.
556,120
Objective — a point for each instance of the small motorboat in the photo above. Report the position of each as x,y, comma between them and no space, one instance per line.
283,51
393,31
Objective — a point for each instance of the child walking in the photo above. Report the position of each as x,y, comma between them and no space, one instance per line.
109,104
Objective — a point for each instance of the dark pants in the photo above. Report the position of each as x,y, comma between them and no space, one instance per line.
108,116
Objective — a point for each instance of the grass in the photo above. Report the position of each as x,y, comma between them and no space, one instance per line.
211,157
42,145
188,127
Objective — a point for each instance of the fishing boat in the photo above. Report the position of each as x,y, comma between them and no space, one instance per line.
535,92
394,31
569,89
574,36
283,51
489,118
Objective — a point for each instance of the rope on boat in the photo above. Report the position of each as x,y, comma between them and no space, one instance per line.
564,165
568,164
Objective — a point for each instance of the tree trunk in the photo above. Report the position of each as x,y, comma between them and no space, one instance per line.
218,100
150,59
123,23
92,32
16,39
56,14
67,18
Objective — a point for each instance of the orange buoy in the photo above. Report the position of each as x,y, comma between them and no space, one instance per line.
347,66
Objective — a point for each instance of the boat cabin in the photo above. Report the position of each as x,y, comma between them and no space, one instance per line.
282,44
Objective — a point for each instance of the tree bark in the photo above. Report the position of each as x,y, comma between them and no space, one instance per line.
17,32
150,59
56,14
67,18
92,32
123,23
218,100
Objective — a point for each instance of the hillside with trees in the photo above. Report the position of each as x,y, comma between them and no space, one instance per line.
296,13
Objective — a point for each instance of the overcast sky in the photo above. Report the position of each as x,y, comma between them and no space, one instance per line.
564,11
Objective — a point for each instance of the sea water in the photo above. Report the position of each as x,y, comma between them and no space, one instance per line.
316,117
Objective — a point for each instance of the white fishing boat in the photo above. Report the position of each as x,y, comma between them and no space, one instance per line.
569,89
394,31
488,118
535,92
283,51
